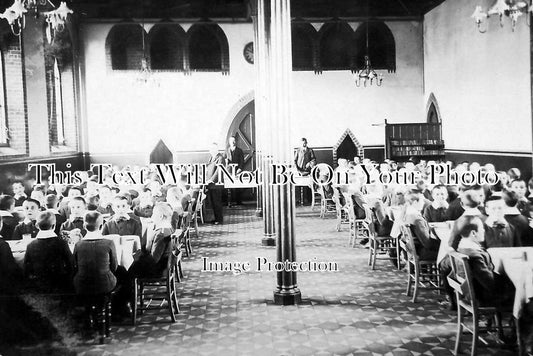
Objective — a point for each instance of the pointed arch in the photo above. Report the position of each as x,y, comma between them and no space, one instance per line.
348,134
432,110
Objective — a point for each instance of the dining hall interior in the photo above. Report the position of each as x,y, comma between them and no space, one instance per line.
109,107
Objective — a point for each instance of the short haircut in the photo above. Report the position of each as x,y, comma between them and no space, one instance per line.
518,181
31,200
46,220
76,188
439,186
510,198
6,202
51,201
472,200
121,197
471,223
17,182
38,188
164,209
82,199
93,220
304,139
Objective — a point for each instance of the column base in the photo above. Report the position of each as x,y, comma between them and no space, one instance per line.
287,297
259,213
268,241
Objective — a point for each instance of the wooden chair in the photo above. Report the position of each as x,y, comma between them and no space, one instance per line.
148,291
98,309
199,207
420,273
461,281
316,193
327,205
380,247
359,228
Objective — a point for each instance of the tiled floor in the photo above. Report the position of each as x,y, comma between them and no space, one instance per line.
353,311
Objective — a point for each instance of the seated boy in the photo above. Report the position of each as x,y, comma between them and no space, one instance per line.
48,260
436,211
18,193
73,227
64,209
52,203
9,217
519,187
10,272
515,219
121,223
498,232
27,227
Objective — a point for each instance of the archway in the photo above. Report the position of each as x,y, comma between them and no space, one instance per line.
243,129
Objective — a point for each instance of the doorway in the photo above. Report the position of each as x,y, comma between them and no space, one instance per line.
243,129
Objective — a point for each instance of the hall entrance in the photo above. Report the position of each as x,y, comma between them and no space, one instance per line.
243,128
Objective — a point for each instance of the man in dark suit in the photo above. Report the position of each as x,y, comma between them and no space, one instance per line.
234,155
214,187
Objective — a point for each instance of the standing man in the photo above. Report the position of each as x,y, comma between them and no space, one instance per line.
304,160
214,191
234,155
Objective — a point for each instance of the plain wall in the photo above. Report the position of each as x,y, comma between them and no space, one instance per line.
190,111
482,81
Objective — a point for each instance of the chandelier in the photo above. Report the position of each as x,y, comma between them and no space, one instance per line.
145,76
367,75
15,15
510,8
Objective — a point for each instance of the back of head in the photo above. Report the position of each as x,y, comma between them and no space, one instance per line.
93,220
46,220
510,198
470,223
51,201
6,202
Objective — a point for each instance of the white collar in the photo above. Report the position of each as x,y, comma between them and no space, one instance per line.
72,218
27,221
93,235
4,213
472,212
466,243
118,216
46,234
16,196
512,211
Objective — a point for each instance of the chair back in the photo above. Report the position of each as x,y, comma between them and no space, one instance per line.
174,251
200,201
461,279
409,243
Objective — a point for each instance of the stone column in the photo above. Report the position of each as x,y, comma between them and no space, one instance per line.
287,291
262,122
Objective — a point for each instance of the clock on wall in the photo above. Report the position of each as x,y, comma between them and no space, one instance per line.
248,52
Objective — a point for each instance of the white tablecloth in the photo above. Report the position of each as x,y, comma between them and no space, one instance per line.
509,261
443,233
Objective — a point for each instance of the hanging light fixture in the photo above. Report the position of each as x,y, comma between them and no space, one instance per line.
510,8
15,15
368,75
145,75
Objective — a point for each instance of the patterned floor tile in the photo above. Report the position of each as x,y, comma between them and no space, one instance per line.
354,311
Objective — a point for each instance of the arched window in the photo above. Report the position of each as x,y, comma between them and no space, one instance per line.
4,133
124,47
336,50
304,38
381,46
433,114
208,48
167,43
